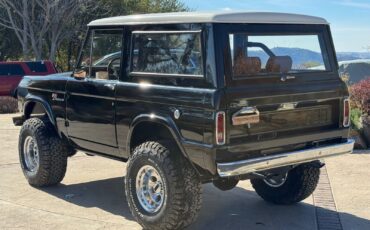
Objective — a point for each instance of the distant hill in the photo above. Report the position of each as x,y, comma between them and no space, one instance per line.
348,56
303,55
355,64
356,69
299,56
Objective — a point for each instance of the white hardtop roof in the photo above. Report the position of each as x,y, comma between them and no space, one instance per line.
204,17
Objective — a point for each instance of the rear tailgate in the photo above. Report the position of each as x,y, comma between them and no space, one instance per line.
284,110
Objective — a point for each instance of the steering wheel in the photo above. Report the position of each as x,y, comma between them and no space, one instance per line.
111,71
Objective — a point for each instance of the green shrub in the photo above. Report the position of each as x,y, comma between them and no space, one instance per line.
356,119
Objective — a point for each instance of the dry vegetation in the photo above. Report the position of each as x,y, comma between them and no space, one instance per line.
8,105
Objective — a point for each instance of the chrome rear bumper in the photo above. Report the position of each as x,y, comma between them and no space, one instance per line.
291,158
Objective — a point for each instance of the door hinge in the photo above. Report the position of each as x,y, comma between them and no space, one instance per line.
66,123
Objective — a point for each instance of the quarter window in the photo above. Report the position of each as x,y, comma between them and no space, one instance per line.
171,53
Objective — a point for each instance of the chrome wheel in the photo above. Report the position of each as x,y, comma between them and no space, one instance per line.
150,189
31,154
276,181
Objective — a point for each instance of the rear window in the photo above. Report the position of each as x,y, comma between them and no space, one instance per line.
11,70
167,53
37,67
264,54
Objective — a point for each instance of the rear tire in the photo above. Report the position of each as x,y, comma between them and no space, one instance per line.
297,186
42,154
176,187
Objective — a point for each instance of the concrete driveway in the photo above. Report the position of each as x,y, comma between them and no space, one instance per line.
92,197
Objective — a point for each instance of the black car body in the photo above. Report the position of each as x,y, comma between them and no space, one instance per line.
226,122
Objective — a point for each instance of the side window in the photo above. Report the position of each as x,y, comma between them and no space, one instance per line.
16,69
83,67
37,67
167,53
101,56
106,54
4,70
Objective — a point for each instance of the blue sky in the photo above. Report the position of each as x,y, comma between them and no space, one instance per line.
349,19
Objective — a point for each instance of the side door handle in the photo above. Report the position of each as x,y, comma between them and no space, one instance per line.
111,86
287,77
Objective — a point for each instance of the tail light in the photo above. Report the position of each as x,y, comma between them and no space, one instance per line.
346,113
220,128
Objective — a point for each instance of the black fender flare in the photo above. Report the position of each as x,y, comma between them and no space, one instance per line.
14,93
35,99
166,122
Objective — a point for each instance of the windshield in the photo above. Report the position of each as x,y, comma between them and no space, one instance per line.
277,54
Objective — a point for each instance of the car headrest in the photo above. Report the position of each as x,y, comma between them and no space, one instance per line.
279,64
246,66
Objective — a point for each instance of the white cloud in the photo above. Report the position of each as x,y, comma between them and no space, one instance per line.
226,9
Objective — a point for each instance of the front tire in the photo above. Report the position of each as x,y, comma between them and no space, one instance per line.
298,184
162,189
42,154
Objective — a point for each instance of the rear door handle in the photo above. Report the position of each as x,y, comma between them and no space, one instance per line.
247,115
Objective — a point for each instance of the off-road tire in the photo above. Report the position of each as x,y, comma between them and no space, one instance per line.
183,189
53,153
300,183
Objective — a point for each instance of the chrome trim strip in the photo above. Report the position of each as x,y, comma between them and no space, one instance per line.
166,32
153,74
46,90
284,159
93,96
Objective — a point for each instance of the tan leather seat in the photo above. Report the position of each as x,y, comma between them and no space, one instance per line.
279,64
246,66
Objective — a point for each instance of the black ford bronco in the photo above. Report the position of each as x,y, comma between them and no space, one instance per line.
192,98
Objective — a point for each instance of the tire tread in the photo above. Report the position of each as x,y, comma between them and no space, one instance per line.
52,151
183,182
300,184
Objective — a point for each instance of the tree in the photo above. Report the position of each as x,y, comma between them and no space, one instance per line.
10,48
37,21
311,64
64,11
107,8
54,29
13,15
